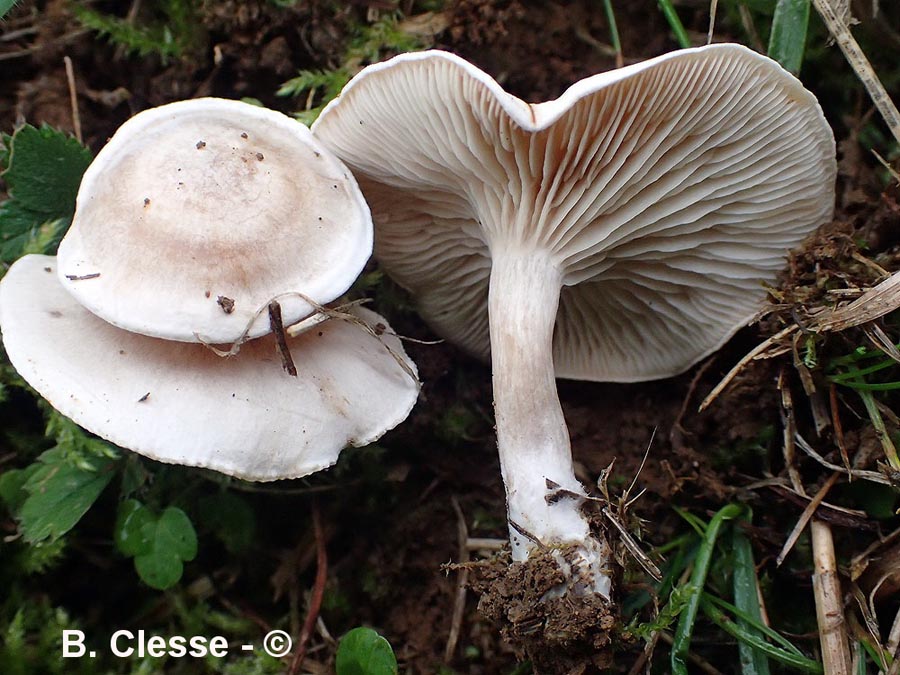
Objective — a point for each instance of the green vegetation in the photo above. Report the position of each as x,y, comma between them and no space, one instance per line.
170,32
362,651
714,557
368,43
5,6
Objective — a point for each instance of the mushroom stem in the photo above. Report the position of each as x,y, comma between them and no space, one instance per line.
532,437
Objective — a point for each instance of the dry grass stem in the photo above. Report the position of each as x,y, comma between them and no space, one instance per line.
837,26
459,600
838,426
873,476
327,312
873,304
829,607
805,517
881,160
750,28
750,356
789,430
485,544
893,644
73,98
713,6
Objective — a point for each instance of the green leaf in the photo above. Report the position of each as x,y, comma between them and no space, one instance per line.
230,518
4,149
12,487
60,492
130,534
44,171
787,40
362,651
164,544
159,571
175,533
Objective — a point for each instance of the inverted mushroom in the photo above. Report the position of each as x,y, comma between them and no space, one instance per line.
621,232
196,214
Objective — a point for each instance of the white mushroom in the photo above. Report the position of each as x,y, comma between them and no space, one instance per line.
180,403
620,232
196,214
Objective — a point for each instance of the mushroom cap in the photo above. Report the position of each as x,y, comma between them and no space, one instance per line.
180,403
667,193
196,214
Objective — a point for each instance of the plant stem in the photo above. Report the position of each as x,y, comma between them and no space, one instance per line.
829,605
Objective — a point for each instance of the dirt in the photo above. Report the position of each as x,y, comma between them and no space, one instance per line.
390,567
568,633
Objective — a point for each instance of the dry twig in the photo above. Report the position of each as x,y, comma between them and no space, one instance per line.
318,591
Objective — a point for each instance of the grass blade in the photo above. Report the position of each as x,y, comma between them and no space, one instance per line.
675,24
790,657
787,40
682,641
746,598
5,6
613,31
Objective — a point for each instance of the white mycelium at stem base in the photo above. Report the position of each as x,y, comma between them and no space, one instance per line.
531,432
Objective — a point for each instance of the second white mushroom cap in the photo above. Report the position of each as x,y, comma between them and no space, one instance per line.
197,214
181,403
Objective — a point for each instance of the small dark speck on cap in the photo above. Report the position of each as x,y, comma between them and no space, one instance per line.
317,153
320,217
143,399
244,134
226,303
260,156
207,294
201,145
146,201
48,269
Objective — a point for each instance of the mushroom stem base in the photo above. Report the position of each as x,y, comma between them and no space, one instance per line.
560,632
544,498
